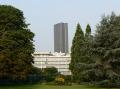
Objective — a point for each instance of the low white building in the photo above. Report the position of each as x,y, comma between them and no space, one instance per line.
47,59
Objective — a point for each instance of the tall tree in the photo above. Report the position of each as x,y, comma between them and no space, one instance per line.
16,44
76,51
87,63
88,30
107,50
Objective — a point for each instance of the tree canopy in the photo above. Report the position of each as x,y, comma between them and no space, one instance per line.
76,51
107,49
16,44
99,63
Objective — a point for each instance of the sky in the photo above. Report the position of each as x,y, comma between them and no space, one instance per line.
43,14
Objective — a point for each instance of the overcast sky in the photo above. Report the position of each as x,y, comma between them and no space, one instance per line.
43,14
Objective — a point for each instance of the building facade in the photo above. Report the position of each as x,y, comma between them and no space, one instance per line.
57,60
61,37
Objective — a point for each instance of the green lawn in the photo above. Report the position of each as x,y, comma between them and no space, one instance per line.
39,86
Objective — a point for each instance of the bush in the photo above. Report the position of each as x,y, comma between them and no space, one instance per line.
35,75
50,74
68,80
63,80
60,80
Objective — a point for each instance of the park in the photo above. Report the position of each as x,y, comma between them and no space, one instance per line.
94,57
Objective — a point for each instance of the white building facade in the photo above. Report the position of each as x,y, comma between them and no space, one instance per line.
60,61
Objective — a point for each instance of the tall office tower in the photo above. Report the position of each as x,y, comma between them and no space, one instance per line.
61,37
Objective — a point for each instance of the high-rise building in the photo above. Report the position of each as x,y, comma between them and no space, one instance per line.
61,37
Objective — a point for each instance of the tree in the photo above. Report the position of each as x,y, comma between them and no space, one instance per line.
86,63
107,50
76,52
88,30
16,44
88,41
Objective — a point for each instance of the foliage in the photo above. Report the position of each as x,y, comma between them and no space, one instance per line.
107,49
50,74
35,75
35,70
68,79
60,80
76,52
82,47
16,44
63,80
97,60
87,64
88,31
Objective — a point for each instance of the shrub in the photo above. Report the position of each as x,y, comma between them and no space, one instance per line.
50,74
68,80
60,80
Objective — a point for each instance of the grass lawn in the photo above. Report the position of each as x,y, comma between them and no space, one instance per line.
39,86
